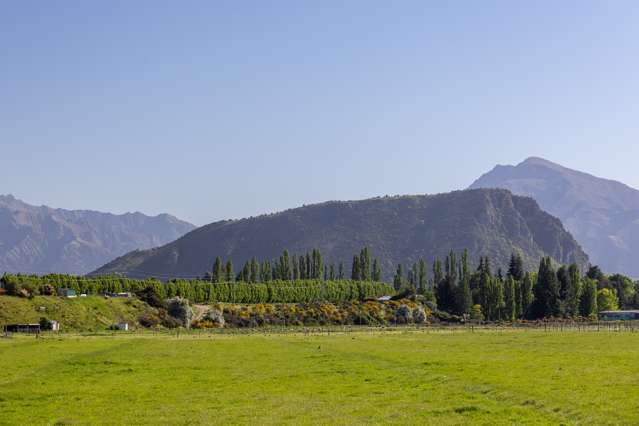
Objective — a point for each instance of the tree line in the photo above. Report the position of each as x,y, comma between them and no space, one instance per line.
519,294
309,265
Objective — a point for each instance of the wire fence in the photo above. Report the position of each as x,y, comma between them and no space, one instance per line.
474,327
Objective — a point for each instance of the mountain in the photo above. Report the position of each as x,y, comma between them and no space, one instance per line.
42,239
602,214
397,229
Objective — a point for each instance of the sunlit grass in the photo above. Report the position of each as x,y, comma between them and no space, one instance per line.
512,377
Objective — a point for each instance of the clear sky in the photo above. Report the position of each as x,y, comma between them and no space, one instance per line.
214,109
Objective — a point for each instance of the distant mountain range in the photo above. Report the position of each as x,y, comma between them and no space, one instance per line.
602,214
42,239
403,229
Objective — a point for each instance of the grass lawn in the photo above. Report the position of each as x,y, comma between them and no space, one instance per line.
401,377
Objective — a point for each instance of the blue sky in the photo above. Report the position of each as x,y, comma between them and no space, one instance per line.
215,109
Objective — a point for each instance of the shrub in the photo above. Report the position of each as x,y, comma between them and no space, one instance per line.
419,315
179,309
403,315
215,317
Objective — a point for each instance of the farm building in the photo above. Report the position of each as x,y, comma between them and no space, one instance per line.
619,315
22,328
123,326
67,292
123,294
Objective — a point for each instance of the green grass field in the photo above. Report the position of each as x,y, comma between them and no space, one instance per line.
401,377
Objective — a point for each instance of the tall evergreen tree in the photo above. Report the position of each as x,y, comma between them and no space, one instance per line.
547,297
341,271
516,267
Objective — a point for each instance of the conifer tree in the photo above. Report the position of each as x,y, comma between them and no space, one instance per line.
516,267
332,272
341,271
547,297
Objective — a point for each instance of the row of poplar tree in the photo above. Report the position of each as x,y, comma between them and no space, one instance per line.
293,268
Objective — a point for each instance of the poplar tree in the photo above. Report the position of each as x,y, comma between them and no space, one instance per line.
341,271
296,270
422,277
377,271
228,272
218,272
365,265
510,309
255,271
355,273
398,280
465,303
302,267
588,300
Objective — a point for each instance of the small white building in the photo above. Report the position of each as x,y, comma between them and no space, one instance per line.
123,326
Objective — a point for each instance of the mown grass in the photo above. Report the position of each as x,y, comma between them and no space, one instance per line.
412,377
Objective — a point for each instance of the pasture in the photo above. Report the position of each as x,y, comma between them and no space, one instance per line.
391,377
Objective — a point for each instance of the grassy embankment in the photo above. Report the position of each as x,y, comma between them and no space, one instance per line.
78,314
401,377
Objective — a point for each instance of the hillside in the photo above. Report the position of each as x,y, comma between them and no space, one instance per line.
397,229
603,215
42,239
79,314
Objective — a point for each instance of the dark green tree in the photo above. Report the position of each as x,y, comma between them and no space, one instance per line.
547,291
218,270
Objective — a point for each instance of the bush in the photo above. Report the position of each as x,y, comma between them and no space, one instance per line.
179,309
149,320
403,315
419,315
215,317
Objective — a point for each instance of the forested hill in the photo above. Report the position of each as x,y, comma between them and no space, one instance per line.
602,214
40,239
402,229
